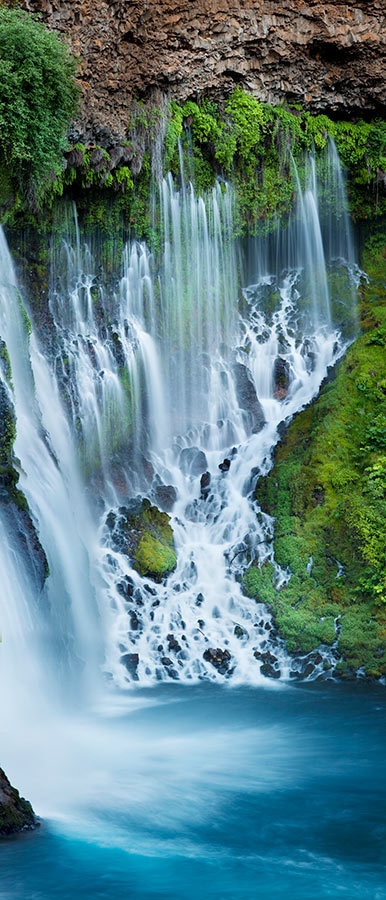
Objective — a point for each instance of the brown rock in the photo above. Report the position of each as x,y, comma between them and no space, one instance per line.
328,56
16,814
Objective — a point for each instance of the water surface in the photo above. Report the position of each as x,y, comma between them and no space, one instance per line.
184,793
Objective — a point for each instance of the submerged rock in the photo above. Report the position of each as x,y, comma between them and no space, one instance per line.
16,813
166,496
193,461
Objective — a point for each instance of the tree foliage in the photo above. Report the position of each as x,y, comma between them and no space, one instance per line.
38,97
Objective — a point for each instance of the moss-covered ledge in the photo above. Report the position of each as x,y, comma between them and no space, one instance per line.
16,813
327,492
144,533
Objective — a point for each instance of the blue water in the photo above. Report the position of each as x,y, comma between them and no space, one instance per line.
273,794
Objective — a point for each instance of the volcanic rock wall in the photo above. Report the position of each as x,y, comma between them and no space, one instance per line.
328,56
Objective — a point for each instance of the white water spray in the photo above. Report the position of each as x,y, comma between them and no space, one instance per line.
154,381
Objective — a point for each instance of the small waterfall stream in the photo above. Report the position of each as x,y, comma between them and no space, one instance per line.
152,381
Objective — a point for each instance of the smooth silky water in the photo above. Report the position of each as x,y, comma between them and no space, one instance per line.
178,780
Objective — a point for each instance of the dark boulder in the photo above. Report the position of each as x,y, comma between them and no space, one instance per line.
16,814
265,657
269,671
126,587
281,372
220,659
247,398
205,485
131,660
225,465
173,644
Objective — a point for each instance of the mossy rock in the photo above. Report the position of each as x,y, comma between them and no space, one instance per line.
327,493
16,814
145,534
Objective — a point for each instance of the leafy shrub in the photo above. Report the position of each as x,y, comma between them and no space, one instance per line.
38,96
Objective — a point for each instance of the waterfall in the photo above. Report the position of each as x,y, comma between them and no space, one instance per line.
48,479
184,359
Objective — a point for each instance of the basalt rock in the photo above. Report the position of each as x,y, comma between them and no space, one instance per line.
220,659
330,57
16,814
247,398
205,484
131,660
280,378
143,532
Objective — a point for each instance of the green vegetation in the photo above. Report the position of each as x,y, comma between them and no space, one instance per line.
38,96
154,555
253,144
250,143
327,491
146,535
15,812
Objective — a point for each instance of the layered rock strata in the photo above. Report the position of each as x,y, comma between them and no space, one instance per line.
328,56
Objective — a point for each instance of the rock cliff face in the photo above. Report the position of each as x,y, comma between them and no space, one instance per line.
16,814
328,56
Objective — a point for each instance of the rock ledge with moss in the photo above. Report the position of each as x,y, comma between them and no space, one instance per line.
327,493
144,533
16,813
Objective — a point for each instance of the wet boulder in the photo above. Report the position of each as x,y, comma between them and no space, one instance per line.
174,646
225,466
166,496
205,485
247,398
193,461
240,632
16,814
130,661
220,659
144,533
269,671
281,373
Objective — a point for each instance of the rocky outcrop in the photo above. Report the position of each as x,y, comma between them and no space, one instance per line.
16,814
143,532
328,56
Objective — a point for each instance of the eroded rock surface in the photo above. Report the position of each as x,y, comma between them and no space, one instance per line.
328,56
16,814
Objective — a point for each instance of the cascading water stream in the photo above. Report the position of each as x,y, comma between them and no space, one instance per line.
152,382
48,479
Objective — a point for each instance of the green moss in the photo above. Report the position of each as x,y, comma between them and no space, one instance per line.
146,534
16,813
153,557
300,613
155,554
240,139
252,143
327,492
